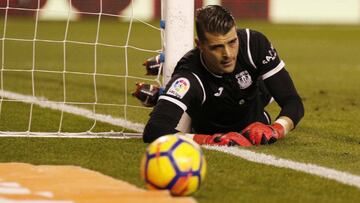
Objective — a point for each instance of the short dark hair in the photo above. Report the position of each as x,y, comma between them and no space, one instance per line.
213,19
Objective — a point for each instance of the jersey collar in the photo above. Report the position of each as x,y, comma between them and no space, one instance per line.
203,63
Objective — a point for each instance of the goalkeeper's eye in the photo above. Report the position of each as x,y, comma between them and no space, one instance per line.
216,47
233,42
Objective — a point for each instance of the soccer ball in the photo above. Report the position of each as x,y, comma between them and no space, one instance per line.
175,163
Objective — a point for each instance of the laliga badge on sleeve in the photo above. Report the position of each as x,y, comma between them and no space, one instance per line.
179,88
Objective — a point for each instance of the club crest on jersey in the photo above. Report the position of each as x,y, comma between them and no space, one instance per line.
244,79
179,88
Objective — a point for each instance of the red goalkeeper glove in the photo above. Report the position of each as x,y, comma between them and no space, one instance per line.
259,133
228,139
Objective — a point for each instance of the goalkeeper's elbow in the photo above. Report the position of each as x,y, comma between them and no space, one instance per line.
148,136
153,131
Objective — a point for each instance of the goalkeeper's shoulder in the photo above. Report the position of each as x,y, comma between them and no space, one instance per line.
183,91
185,86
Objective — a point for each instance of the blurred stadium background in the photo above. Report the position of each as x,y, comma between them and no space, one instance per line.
69,66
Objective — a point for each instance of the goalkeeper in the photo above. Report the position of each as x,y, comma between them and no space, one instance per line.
219,89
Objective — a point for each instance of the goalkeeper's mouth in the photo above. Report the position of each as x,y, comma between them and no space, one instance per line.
227,63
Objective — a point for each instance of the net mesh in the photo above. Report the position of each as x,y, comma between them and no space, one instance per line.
73,76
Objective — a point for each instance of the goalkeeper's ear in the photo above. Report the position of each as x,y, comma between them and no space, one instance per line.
197,42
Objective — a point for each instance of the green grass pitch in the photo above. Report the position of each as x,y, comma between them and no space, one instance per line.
322,60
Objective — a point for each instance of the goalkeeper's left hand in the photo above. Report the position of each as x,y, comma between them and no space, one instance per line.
259,133
152,65
227,139
148,94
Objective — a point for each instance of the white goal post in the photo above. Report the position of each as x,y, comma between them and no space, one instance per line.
72,77
179,32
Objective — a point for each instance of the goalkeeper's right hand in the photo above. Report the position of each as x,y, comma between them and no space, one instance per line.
227,139
148,94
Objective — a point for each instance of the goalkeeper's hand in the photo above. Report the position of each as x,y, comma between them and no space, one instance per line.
228,139
148,94
259,133
152,65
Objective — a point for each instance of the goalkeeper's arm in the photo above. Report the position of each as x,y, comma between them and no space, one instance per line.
165,122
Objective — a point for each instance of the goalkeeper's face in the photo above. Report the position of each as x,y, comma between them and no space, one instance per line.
220,51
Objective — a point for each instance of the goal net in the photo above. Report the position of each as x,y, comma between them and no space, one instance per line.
74,76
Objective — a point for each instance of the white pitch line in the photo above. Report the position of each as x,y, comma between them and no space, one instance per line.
5,200
14,191
138,127
342,177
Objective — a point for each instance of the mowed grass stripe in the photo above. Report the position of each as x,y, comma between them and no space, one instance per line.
137,127
342,177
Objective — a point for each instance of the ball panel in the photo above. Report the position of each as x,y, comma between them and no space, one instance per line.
185,185
189,140
193,185
162,144
187,157
160,171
